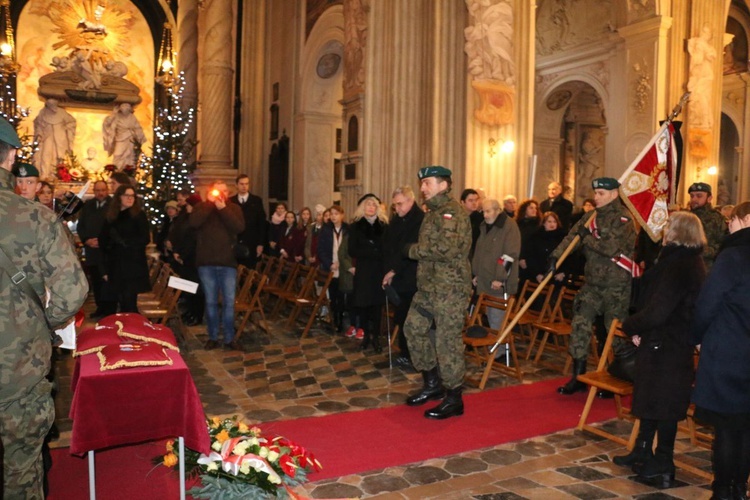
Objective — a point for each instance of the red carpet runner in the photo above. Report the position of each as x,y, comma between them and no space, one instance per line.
353,442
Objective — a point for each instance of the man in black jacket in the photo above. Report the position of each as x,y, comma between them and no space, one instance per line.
402,231
558,204
254,234
90,223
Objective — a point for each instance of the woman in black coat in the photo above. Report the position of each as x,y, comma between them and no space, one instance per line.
722,384
541,244
366,249
664,357
529,221
123,241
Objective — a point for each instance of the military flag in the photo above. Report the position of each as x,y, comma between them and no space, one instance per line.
649,184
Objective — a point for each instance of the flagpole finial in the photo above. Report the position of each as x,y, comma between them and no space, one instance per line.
678,109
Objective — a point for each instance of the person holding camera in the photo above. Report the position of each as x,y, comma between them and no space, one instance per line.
217,224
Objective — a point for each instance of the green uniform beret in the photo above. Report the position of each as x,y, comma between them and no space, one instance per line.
8,134
21,170
605,183
700,187
433,171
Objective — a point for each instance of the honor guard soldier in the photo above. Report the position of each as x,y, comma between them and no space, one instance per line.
608,239
443,289
713,222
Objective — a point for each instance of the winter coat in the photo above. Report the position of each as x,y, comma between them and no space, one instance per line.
325,245
502,238
123,243
216,233
540,246
722,328
664,359
346,279
401,232
293,242
366,248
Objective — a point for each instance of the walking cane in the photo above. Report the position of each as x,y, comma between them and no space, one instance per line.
536,293
388,327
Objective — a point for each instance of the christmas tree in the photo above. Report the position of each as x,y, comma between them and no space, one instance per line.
164,173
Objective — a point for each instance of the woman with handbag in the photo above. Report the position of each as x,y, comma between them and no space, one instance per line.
664,358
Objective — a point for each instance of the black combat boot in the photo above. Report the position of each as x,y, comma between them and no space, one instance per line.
376,343
365,341
433,388
641,453
573,385
451,406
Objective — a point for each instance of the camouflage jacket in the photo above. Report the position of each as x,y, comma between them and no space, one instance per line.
715,229
35,242
615,236
443,248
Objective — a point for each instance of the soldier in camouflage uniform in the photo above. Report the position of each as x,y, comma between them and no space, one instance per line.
607,233
443,289
35,243
713,223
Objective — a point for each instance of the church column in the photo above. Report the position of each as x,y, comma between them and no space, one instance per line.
215,133
187,48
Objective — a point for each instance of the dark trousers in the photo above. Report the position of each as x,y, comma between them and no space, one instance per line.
399,317
731,455
104,303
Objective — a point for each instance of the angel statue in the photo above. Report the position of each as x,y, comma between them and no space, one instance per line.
120,130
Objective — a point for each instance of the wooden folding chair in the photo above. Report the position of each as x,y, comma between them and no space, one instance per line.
297,286
478,349
166,309
158,287
282,280
316,296
538,312
248,302
602,380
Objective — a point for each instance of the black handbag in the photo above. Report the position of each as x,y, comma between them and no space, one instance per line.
241,251
623,367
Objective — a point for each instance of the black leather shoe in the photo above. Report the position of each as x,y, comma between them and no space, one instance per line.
451,406
210,344
573,385
432,389
641,453
234,345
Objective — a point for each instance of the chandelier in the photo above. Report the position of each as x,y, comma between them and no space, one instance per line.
167,58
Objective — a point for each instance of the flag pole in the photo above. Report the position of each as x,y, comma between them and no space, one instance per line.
678,108
538,290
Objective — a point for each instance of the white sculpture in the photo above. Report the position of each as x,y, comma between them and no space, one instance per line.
90,163
489,41
120,129
54,130
700,84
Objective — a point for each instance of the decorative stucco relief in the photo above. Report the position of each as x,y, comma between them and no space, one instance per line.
491,56
734,98
641,87
562,24
355,42
640,9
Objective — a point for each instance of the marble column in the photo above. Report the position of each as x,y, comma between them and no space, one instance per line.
215,112
187,57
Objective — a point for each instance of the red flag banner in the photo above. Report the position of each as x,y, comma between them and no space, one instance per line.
647,187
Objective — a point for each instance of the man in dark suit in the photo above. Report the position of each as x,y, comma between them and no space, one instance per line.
90,222
254,234
402,231
558,204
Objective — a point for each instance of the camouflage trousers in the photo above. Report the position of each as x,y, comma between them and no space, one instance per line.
448,311
590,302
24,423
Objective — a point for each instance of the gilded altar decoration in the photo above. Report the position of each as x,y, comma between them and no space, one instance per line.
91,73
489,47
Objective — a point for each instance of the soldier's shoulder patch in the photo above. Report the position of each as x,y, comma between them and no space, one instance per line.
447,216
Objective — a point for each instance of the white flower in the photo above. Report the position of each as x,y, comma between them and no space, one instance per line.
253,441
245,467
274,479
212,466
240,448
263,452
273,456
216,446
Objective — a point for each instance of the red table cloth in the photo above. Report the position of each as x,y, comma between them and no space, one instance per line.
133,405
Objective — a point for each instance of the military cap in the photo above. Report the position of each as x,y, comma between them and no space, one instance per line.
171,204
368,195
700,187
605,183
8,134
21,170
433,171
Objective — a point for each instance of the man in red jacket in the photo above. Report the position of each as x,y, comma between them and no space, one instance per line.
217,225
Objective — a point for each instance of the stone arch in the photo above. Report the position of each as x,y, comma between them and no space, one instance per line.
570,137
319,114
